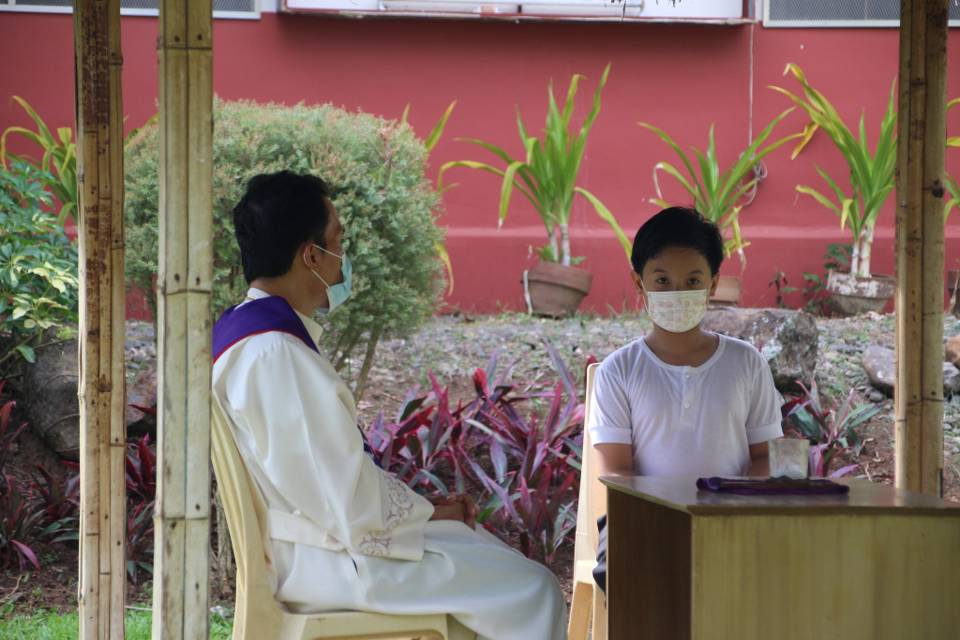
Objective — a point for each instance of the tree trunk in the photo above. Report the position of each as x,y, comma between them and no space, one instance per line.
855,257
361,384
565,245
866,246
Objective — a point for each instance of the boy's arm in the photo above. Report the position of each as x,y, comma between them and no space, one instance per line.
614,459
759,460
764,419
609,423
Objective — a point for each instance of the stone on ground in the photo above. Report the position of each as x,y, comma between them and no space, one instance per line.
880,365
788,339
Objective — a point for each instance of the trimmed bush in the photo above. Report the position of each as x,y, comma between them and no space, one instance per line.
375,168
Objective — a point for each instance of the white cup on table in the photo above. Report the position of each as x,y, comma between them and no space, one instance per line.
789,458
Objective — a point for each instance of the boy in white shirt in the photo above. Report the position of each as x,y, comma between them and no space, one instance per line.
681,401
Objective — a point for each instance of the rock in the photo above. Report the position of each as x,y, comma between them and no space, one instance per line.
50,403
952,351
787,339
880,365
142,394
876,397
951,379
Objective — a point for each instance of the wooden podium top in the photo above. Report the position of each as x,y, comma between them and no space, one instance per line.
681,494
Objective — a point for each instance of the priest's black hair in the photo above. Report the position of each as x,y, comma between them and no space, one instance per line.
277,214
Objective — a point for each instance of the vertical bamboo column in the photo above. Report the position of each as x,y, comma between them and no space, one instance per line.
102,297
920,245
181,571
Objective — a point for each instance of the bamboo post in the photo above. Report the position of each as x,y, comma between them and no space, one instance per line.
99,108
182,529
920,245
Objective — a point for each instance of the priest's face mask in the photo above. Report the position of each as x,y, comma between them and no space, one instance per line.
328,263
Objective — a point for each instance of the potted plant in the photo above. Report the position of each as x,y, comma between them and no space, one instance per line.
547,177
871,181
953,188
720,194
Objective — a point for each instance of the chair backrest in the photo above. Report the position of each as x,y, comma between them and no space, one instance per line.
258,614
592,502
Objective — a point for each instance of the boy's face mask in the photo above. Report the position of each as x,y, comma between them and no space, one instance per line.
338,293
677,311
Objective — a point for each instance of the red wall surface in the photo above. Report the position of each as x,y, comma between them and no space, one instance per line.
681,78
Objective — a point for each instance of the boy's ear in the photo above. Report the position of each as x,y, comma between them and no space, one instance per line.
636,280
714,283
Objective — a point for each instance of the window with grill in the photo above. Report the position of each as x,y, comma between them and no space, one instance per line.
707,11
840,13
221,8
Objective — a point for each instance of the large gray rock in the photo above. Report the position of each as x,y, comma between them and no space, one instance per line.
880,365
952,350
142,402
951,379
881,368
50,403
787,339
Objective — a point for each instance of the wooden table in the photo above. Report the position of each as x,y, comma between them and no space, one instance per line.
875,563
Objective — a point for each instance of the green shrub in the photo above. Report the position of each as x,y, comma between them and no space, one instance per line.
376,170
38,264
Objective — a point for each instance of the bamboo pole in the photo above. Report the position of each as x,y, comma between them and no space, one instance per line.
920,245
182,523
99,109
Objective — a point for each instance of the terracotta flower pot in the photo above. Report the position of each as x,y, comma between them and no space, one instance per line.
852,295
554,290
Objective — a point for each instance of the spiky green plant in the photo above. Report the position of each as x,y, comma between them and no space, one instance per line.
547,174
718,194
871,173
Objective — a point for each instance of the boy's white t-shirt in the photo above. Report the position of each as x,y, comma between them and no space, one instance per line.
686,421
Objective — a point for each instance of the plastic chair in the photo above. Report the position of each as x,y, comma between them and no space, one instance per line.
589,603
259,616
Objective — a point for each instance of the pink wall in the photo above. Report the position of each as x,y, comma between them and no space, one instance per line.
682,78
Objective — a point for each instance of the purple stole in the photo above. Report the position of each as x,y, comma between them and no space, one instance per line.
260,316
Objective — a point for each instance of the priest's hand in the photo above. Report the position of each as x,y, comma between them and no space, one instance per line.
458,507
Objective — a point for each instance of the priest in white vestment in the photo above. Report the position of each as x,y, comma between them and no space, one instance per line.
344,534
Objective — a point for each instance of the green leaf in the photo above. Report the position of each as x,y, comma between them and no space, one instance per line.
663,135
506,189
819,197
434,137
28,353
444,256
610,219
18,313
692,190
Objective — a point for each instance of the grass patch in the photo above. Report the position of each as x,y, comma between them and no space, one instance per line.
46,625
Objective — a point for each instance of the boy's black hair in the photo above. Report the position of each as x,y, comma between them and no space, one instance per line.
677,227
279,212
